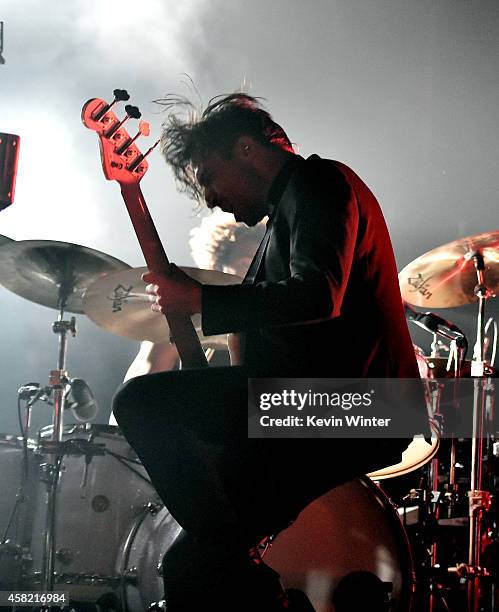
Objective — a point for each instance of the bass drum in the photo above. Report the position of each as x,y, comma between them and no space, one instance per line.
141,556
353,528
349,540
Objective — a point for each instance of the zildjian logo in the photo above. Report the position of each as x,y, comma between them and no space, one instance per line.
120,296
420,285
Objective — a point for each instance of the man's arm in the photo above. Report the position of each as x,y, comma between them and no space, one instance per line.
321,217
151,358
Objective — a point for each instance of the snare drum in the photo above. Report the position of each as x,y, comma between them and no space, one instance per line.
101,492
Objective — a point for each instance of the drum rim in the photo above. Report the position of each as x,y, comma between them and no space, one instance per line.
408,576
383,474
69,428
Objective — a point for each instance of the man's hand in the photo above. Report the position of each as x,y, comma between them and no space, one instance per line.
175,293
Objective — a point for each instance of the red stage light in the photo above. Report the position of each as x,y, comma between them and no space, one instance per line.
9,154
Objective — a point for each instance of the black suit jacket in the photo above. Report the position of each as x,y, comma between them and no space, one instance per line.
326,299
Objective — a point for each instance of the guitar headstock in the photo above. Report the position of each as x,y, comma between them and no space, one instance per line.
122,160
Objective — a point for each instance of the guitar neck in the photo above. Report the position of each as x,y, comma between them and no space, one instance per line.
182,329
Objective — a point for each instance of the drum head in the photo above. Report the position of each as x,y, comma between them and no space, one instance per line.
417,454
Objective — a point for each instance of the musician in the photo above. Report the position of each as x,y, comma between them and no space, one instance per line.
321,299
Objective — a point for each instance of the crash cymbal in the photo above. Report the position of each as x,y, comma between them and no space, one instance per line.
119,304
446,276
5,240
53,273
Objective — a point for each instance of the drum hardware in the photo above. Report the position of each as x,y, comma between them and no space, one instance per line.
153,508
54,274
11,564
487,341
96,512
68,578
458,273
479,499
32,393
57,381
77,447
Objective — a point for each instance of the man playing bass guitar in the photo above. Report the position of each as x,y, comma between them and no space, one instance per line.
320,299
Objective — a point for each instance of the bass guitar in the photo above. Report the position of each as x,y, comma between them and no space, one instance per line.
123,162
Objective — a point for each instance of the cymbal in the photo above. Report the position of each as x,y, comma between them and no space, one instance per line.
118,303
446,276
5,240
53,273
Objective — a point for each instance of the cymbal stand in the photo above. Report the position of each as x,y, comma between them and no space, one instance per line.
434,496
52,469
479,499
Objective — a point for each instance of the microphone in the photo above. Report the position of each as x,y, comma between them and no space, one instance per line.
81,400
28,390
438,325
434,323
430,321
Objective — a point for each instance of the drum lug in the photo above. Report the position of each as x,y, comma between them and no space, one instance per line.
49,472
131,575
153,507
65,556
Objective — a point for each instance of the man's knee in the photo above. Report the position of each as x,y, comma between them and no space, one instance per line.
130,398
179,557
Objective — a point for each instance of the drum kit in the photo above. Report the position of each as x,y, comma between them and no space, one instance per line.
79,514
78,511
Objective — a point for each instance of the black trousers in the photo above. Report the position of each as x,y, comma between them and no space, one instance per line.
189,428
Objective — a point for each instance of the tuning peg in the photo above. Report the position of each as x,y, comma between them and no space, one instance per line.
144,130
120,95
133,111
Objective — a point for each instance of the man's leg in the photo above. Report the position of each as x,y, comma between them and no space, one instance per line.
183,426
190,430
177,422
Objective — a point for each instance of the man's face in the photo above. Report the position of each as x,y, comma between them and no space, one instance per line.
233,185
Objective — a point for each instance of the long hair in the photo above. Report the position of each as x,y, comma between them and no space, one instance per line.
190,135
